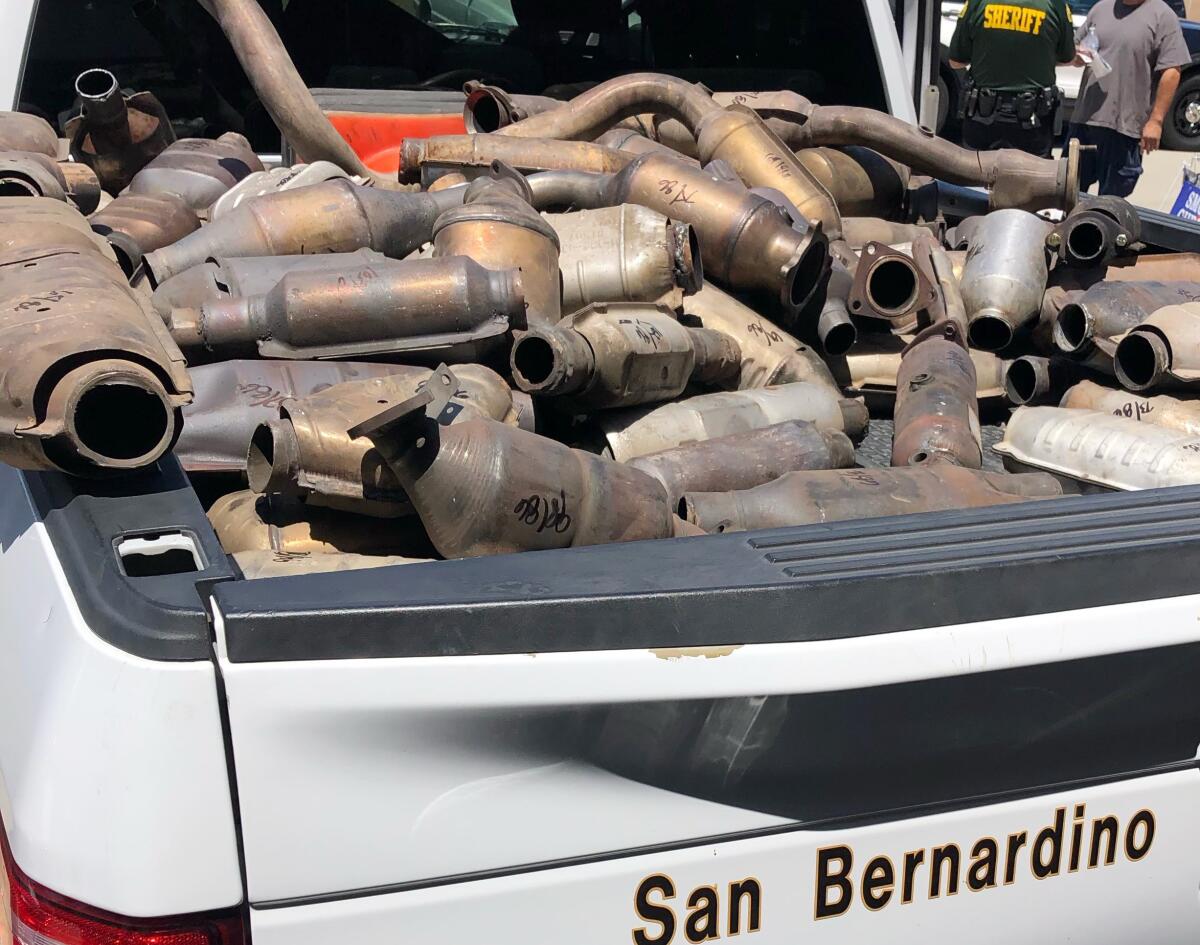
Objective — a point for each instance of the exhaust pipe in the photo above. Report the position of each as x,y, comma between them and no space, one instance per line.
620,354
641,430
770,356
422,308
29,174
1095,318
748,242
198,170
1030,379
1099,450
872,368
887,285
1163,351
937,413
334,217
304,450
282,91
233,397
1183,416
862,182
625,253
1005,276
805,498
497,228
745,460
422,159
1015,180
934,263
483,488
22,132
282,526
136,224
114,135
489,108
1096,232
92,383
220,279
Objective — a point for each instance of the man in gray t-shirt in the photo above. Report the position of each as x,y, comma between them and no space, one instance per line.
1121,113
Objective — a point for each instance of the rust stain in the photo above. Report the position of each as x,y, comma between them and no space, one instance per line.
707,652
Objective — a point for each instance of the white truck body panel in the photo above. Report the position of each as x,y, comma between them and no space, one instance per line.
16,17
1151,900
113,783
472,784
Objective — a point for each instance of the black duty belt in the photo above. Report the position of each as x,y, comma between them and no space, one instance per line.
1030,109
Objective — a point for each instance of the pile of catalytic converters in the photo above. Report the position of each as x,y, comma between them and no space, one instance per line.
646,313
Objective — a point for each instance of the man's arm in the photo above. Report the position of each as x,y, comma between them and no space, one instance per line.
1066,34
1168,82
960,42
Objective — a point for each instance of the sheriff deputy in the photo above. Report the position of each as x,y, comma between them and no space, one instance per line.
1011,49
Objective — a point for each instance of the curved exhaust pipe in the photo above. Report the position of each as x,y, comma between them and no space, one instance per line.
282,91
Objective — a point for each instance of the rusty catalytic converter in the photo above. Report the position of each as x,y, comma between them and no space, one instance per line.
620,354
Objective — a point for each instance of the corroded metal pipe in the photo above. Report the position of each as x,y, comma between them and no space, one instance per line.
804,498
835,330
233,397
641,430
114,135
937,413
30,223
306,451
745,460
619,354
1097,231
281,89
748,241
1163,351
222,278
887,285
1030,379
1014,179
428,309
1099,449
335,217
247,522
28,174
862,182
770,355
137,224
1171,412
497,228
482,488
625,253
91,381
946,304
489,108
1098,316
1005,276
871,368
421,157
198,170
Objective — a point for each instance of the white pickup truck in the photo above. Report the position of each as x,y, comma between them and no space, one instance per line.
975,726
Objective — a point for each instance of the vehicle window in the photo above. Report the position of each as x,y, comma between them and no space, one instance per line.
174,49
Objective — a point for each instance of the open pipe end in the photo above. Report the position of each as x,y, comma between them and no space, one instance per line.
1072,328
485,111
805,276
100,93
112,414
273,458
990,331
1142,359
1026,381
835,330
891,286
551,363
1085,243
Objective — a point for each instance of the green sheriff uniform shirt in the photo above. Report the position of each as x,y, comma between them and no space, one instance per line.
1015,45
